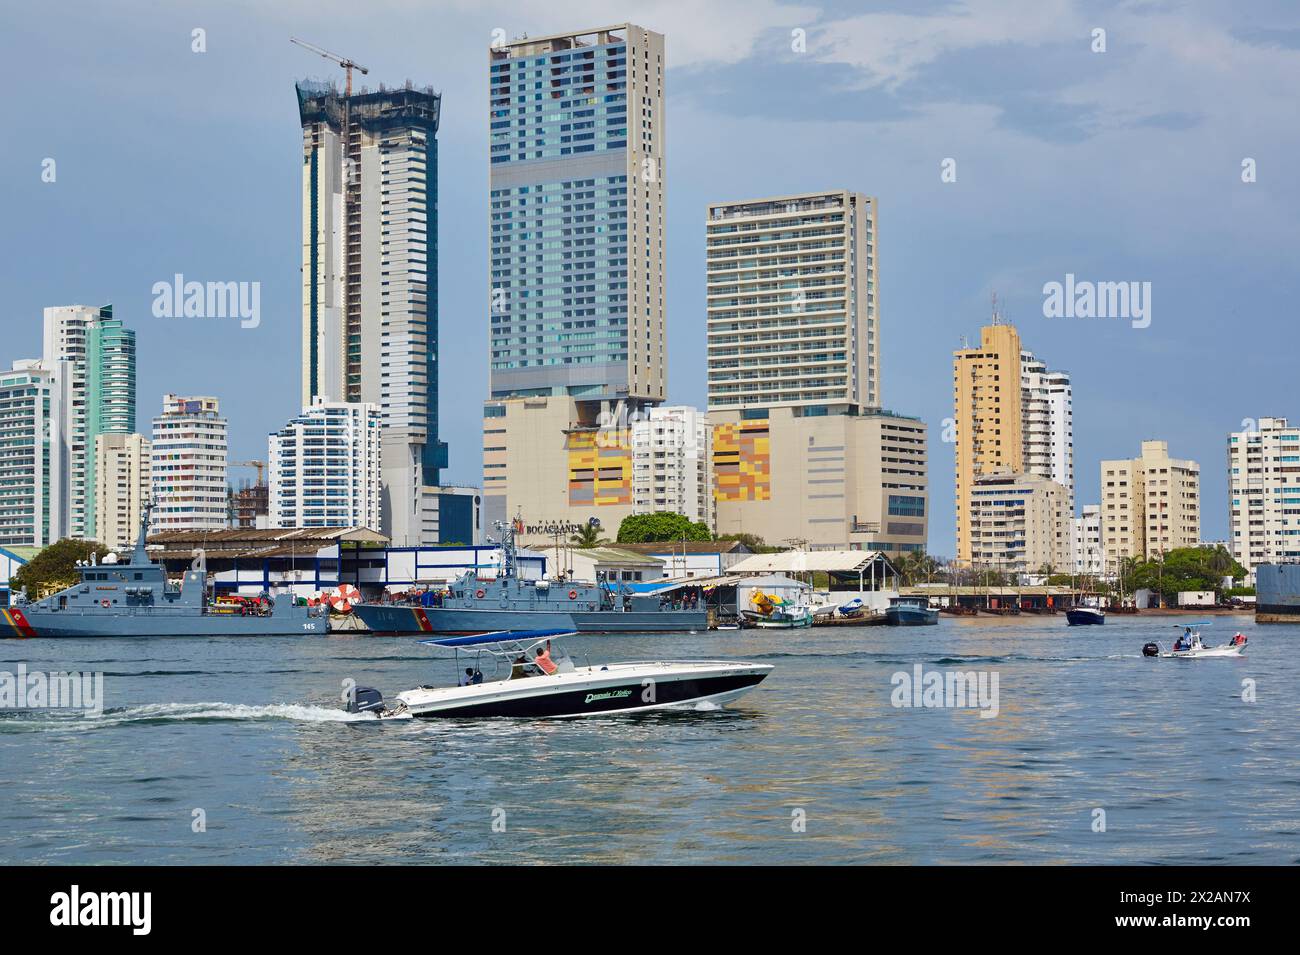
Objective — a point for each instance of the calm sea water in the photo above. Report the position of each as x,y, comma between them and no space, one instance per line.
250,731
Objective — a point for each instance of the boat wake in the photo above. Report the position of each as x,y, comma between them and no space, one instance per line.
156,713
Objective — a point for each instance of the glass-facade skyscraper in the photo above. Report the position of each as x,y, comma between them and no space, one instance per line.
576,170
576,263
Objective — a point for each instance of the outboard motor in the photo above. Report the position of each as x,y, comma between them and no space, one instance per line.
1148,650
366,699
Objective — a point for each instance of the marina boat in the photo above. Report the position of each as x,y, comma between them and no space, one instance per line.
774,612
910,612
1085,616
135,599
529,675
507,602
791,618
1189,646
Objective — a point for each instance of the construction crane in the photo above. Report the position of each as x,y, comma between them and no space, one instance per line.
260,465
342,61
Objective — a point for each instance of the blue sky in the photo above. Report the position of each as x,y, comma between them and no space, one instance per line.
1115,166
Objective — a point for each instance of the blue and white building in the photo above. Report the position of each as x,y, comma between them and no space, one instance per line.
323,467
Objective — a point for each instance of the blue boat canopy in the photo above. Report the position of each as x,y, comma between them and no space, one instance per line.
497,636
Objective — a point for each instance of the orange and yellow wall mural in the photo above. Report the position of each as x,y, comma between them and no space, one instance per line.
742,461
600,469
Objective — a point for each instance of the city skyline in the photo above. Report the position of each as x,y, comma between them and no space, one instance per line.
1037,197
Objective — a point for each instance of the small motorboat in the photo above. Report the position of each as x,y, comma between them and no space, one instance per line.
1189,646
910,612
1085,616
533,677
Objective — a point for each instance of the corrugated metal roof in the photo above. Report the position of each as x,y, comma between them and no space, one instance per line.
803,561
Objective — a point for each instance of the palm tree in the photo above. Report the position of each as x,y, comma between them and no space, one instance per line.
587,537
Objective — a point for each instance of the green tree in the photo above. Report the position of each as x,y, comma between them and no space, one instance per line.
916,567
587,537
661,526
55,567
1184,569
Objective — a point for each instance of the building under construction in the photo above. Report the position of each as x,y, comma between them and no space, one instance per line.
370,186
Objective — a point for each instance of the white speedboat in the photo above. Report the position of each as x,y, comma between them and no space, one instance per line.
1189,646
533,677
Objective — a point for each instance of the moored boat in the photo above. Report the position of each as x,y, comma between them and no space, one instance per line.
135,599
910,612
508,602
1085,616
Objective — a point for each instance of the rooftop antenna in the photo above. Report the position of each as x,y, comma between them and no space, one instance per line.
997,316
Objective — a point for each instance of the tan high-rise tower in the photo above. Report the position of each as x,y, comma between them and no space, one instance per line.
987,400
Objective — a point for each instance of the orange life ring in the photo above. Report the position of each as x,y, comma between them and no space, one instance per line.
479,594
573,595
105,603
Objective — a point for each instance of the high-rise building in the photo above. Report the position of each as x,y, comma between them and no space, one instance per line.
1264,491
1019,524
33,452
1048,428
122,487
793,302
803,453
100,352
1011,416
324,467
110,401
188,466
1085,541
576,259
1149,505
672,464
370,280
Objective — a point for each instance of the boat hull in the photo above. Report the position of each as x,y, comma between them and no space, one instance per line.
402,620
548,697
1084,618
1277,593
910,617
148,623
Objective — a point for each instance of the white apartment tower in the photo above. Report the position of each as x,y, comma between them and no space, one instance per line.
1048,423
188,466
1085,541
324,467
122,486
672,464
33,453
792,302
1264,493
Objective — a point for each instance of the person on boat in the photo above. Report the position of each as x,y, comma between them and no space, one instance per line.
1238,639
543,659
517,671
467,678
1185,641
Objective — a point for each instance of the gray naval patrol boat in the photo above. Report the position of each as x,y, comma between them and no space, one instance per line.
135,599
507,602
